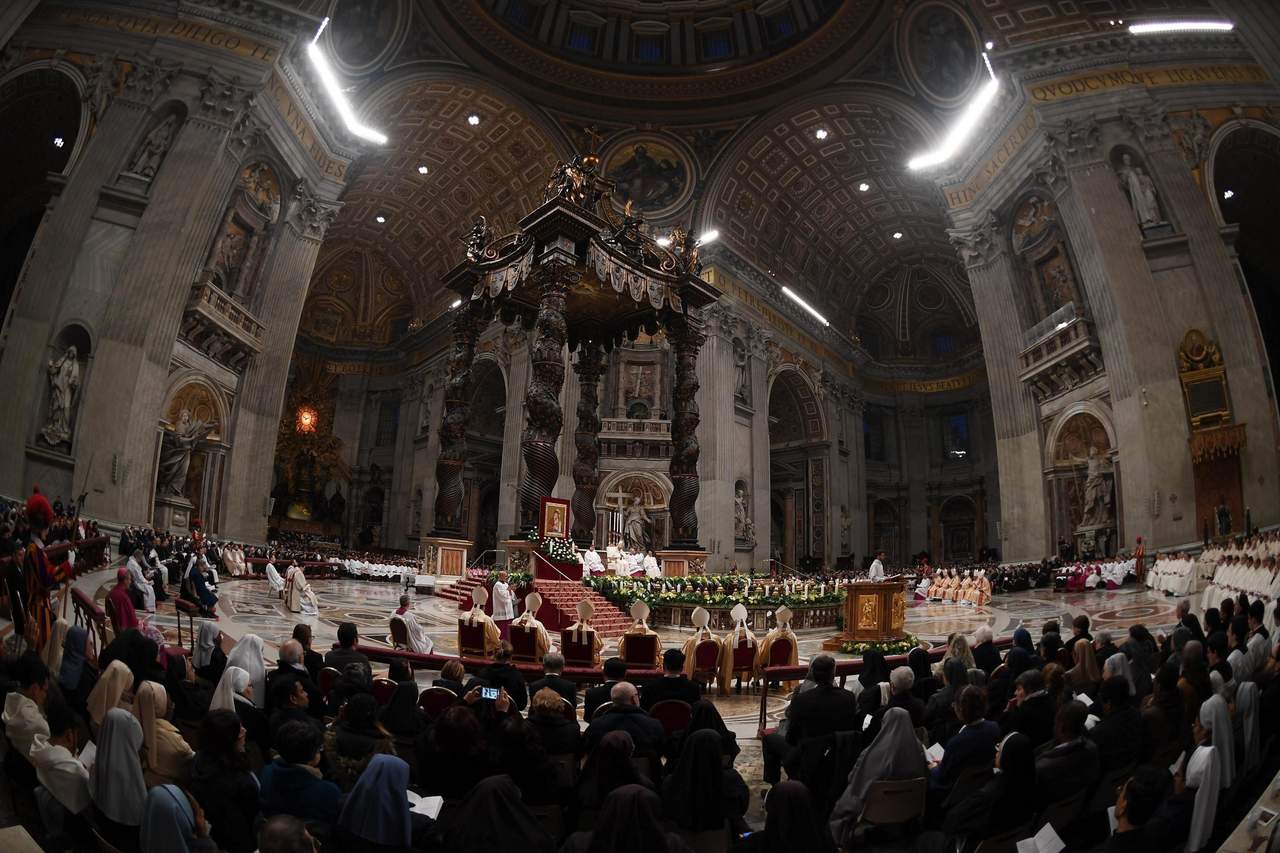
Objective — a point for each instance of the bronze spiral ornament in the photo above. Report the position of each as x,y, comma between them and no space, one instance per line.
543,416
453,424
687,338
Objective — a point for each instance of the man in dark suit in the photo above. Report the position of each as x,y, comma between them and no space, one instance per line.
819,711
290,667
1071,762
552,666
672,685
348,636
615,670
625,714
973,745
1119,733
1031,710
312,660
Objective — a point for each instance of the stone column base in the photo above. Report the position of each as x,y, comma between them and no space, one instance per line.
445,556
173,513
678,564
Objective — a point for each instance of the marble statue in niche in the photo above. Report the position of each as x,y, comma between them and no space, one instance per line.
64,381
175,452
744,529
1096,510
1141,190
741,371
636,526
150,154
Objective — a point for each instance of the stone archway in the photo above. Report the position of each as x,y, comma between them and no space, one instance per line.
1082,476
482,474
617,495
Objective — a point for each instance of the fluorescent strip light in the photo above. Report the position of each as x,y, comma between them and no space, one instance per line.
961,130
455,304
1181,27
805,305
664,242
330,82
708,237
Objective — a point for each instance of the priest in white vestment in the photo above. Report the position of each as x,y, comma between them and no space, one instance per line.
504,605
591,561
418,640
275,583
298,595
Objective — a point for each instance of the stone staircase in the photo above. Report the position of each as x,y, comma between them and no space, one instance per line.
560,608
461,591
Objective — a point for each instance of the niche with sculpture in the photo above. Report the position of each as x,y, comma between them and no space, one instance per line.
64,377
248,223
1083,480
1140,189
145,161
744,529
190,458
1038,242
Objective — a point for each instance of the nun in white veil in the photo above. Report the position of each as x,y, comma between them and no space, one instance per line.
232,684
247,654
1204,776
1216,718
1117,666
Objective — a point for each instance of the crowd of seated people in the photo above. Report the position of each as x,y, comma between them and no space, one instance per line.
227,750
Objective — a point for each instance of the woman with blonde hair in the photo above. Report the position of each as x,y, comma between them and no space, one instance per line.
165,755
1083,677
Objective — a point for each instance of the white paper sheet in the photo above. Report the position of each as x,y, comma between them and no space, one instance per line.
88,754
934,753
429,806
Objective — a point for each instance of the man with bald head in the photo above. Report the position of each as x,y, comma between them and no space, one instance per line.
291,666
625,714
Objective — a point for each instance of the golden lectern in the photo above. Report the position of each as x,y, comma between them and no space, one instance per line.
873,610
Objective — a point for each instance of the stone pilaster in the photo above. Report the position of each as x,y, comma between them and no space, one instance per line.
513,425
283,289
141,320
761,482
714,417
992,278
913,436
453,426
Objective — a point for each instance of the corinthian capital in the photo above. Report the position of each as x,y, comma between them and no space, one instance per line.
979,245
312,215
1073,141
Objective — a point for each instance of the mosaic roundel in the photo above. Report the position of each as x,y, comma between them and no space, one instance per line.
1156,613
651,173
878,296
941,51
929,297
364,32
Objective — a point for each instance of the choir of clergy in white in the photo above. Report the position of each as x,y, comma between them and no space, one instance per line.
620,562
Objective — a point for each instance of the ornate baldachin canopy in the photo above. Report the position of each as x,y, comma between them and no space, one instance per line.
578,274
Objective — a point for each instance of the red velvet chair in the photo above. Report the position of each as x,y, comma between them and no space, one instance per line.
579,653
471,639
673,714
641,650
524,644
706,661
744,660
780,652
434,700
382,690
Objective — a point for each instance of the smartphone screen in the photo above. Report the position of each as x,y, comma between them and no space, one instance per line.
488,693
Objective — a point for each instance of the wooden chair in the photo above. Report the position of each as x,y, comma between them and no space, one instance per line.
382,690
111,615
579,653
641,650
1005,842
471,639
1062,813
328,677
673,714
186,608
524,644
434,700
744,660
569,710
706,661
894,801
399,633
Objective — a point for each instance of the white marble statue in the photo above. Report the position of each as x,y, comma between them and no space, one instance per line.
742,371
1141,190
1097,491
146,160
175,452
64,381
744,530
635,526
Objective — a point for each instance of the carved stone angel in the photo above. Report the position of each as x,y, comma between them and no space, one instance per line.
150,154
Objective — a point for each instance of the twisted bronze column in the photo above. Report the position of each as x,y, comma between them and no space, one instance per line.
453,424
586,467
686,337
543,416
